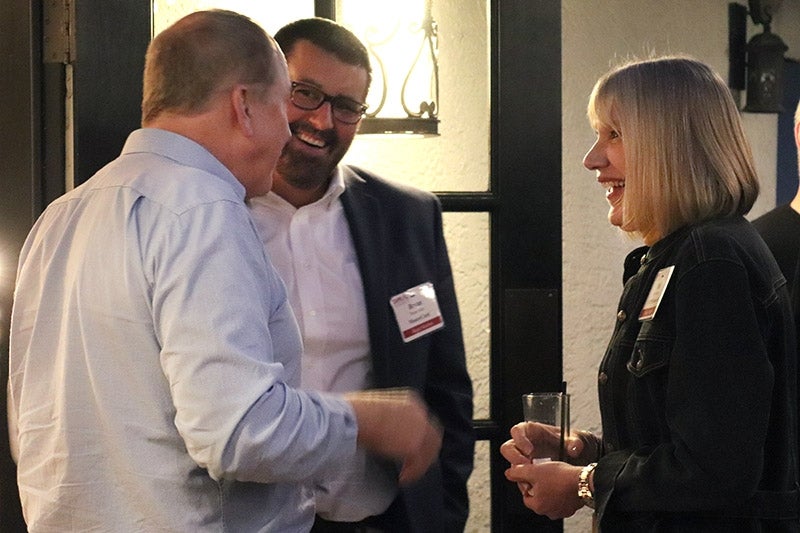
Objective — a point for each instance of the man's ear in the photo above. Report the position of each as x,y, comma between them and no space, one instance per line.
240,101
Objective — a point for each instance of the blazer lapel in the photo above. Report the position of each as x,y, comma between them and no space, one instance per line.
368,230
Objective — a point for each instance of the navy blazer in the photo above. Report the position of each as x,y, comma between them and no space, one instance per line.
398,238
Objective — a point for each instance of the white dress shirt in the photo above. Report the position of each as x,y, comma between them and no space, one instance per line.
151,356
313,251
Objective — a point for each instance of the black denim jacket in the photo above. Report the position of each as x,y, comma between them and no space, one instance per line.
699,404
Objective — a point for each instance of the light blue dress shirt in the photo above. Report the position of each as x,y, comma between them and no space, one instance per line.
154,357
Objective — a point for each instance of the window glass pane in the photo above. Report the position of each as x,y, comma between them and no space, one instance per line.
457,159
270,14
467,236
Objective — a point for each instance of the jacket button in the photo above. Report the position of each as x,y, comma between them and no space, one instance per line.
621,316
602,378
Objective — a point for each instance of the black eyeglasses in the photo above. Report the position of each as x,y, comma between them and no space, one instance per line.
344,109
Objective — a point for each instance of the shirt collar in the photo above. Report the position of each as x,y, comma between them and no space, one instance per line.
335,189
183,150
336,186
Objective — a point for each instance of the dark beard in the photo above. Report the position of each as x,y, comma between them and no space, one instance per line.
302,172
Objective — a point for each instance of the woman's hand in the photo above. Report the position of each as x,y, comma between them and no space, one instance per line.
530,451
552,487
531,440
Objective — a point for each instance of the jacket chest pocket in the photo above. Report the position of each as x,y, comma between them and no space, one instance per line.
652,349
648,356
648,370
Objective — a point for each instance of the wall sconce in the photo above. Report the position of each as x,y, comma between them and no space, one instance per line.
764,52
402,39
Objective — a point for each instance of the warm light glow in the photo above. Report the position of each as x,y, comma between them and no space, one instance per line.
8,265
5,267
269,15
394,35
8,271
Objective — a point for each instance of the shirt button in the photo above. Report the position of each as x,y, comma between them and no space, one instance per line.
602,378
622,315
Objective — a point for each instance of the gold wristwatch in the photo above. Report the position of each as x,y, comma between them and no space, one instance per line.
584,492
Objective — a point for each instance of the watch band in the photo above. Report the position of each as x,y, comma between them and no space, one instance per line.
584,492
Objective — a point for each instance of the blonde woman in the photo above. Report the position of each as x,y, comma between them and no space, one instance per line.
697,387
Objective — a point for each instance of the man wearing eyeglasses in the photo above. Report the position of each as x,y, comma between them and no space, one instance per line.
368,276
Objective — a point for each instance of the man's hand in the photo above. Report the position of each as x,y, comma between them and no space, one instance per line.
395,423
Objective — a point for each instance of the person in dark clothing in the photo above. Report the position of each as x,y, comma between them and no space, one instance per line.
780,229
697,387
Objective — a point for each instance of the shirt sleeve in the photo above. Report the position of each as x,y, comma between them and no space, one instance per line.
227,334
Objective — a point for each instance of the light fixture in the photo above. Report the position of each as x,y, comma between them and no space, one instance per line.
764,52
402,39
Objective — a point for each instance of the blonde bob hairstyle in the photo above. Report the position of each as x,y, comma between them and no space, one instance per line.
686,156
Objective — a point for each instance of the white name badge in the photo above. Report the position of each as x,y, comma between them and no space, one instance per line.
417,311
656,293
